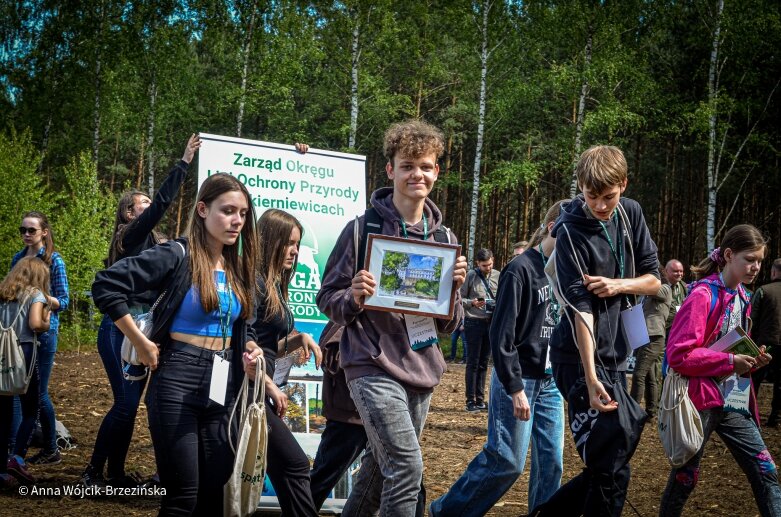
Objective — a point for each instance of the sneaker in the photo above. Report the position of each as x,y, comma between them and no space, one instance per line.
45,458
125,481
471,407
152,481
7,481
91,477
482,406
19,470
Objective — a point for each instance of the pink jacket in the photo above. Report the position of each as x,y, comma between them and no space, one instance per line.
690,335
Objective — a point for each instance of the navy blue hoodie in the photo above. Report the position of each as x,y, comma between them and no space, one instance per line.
597,259
522,323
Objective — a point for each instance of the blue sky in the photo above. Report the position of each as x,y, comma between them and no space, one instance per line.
423,261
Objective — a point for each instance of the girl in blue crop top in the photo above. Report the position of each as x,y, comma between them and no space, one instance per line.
288,467
209,284
135,225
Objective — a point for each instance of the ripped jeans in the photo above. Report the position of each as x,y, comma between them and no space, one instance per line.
741,435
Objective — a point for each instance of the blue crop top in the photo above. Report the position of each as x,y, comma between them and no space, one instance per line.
190,318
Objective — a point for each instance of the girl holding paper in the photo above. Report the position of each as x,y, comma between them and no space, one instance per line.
197,347
288,466
718,303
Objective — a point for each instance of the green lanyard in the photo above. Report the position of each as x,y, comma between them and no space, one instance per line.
425,228
554,303
288,316
617,253
225,321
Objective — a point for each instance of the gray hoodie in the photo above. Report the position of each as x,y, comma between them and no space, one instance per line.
376,342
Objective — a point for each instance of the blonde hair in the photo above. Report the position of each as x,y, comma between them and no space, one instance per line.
274,229
550,216
601,167
413,139
28,275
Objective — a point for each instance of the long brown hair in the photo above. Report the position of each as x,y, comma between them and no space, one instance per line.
239,269
121,223
274,228
743,237
27,275
550,216
48,239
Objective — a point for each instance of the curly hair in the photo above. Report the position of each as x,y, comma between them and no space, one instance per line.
413,139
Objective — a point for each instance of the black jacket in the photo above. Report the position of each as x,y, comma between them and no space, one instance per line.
596,258
766,314
267,333
522,322
158,269
138,235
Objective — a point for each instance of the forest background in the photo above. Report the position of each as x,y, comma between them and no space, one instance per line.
97,97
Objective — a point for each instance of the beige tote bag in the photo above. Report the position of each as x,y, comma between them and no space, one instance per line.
680,426
243,489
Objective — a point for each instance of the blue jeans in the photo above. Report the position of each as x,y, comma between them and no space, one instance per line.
116,430
189,431
741,435
46,350
392,468
28,414
494,470
459,332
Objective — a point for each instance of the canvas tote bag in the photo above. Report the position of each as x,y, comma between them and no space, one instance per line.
680,426
243,489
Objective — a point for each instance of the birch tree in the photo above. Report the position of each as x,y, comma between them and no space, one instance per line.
355,54
484,55
713,98
584,88
245,67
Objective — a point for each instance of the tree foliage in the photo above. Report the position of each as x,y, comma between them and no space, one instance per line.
131,81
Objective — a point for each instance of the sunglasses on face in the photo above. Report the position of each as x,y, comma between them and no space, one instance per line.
28,231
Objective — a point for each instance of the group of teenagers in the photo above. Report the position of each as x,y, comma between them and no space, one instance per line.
220,296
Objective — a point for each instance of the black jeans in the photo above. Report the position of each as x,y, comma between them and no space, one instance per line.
288,468
116,430
599,494
189,431
340,446
741,436
771,374
30,406
477,359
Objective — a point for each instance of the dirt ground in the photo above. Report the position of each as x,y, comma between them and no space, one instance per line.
452,437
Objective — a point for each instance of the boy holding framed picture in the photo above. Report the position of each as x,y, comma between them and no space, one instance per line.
390,382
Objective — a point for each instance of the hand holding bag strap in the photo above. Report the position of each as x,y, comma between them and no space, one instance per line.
242,400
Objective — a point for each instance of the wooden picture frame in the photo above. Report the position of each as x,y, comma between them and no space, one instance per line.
413,276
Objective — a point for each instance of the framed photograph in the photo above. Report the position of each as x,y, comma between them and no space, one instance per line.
413,277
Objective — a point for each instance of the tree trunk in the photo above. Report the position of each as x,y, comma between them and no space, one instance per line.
480,131
98,84
355,52
150,135
713,97
245,68
573,190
